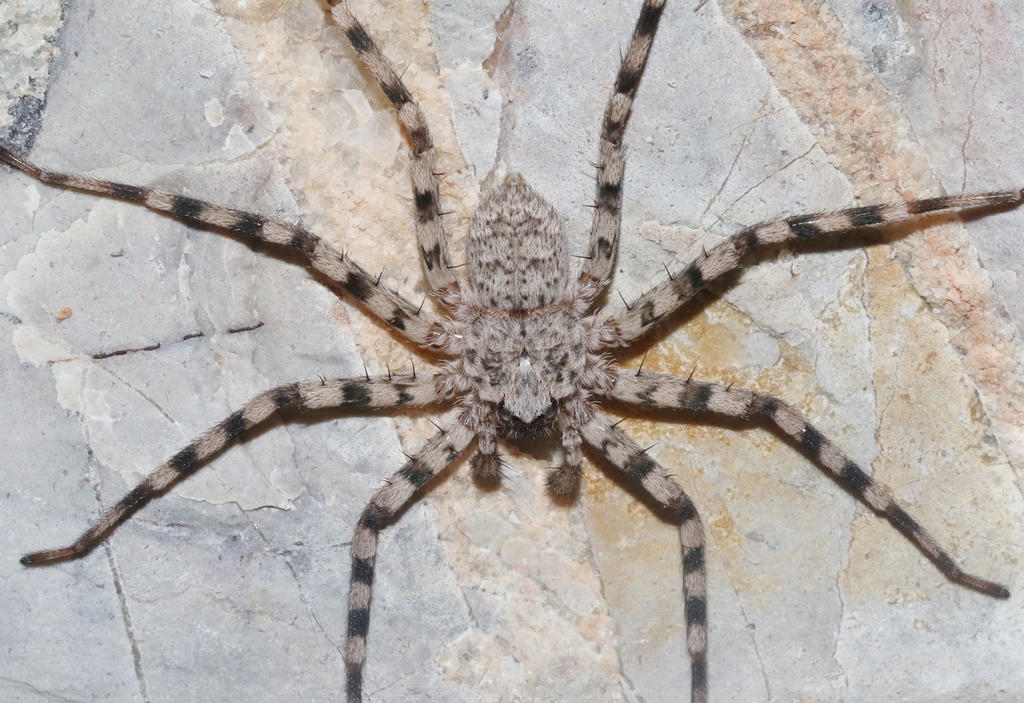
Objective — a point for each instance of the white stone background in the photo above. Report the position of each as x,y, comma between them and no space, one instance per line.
903,347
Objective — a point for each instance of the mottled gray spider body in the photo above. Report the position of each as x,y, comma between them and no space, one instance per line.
527,353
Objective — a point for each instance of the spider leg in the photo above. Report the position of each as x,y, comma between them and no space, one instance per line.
611,158
445,447
627,456
664,299
380,300
563,482
430,231
399,391
485,464
664,391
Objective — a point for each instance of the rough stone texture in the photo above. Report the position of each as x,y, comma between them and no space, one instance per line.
903,346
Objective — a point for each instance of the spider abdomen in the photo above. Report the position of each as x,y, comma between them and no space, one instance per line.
518,256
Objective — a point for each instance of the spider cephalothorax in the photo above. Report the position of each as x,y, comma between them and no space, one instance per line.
526,352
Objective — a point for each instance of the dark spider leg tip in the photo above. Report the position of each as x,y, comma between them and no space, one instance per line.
989,588
49,556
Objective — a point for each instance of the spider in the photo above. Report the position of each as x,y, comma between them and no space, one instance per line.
553,388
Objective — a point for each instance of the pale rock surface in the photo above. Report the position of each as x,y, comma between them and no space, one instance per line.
903,346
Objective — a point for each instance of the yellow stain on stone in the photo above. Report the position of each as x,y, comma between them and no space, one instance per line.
343,152
865,131
937,439
937,455
624,534
721,465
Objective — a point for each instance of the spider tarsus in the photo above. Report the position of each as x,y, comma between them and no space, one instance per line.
997,591
247,328
50,556
989,588
122,352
